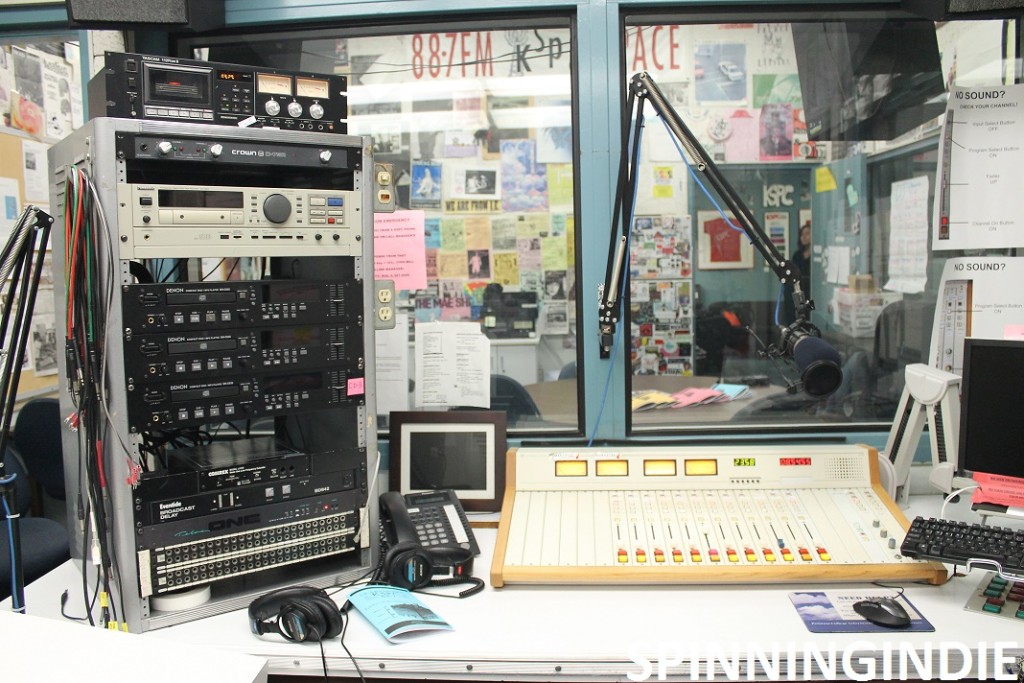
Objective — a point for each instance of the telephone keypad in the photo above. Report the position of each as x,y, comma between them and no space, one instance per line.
429,527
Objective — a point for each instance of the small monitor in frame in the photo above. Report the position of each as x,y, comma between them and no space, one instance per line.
461,450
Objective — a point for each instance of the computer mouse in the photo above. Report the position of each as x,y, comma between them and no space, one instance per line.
883,611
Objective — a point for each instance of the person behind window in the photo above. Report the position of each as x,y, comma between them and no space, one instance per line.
801,259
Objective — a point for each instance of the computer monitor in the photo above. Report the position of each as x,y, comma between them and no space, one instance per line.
992,407
868,79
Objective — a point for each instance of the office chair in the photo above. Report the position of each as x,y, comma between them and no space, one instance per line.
873,383
568,371
44,542
37,439
510,396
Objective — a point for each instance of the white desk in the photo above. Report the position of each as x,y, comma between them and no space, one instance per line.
589,633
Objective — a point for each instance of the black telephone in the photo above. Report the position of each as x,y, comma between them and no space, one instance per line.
428,537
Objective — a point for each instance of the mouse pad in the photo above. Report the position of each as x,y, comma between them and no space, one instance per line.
832,611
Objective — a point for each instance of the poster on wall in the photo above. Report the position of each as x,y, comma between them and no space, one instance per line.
524,183
776,225
425,192
978,297
978,203
721,243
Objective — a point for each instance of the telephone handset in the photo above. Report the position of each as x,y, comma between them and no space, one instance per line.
430,518
429,541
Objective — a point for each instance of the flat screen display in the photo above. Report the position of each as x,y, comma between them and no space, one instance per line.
992,407
449,460
868,79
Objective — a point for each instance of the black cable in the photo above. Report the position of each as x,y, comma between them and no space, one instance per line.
178,266
214,269
341,640
323,657
478,585
63,604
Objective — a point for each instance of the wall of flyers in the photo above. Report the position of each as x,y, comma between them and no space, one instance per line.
661,295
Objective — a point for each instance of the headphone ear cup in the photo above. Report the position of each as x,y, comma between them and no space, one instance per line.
330,615
298,613
407,565
300,621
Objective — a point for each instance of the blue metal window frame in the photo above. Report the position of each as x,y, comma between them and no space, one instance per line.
599,101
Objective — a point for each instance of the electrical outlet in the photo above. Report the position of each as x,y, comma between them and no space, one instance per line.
383,187
384,295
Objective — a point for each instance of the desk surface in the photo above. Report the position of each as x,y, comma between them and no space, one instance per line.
557,400
589,632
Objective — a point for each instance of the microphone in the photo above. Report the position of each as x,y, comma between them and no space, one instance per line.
818,362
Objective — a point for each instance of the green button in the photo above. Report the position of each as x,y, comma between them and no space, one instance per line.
992,608
998,580
993,592
1019,614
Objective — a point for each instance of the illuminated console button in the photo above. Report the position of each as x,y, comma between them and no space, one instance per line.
623,556
659,555
641,556
787,555
695,556
713,555
823,554
750,554
677,555
769,556
731,555
805,555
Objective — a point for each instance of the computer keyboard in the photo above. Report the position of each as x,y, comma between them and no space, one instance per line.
970,545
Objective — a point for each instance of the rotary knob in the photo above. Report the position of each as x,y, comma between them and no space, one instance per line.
164,147
316,110
216,149
325,156
277,208
294,109
272,107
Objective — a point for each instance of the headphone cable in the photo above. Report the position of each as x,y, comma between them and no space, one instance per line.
341,639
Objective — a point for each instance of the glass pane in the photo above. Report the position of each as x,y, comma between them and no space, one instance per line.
826,134
474,126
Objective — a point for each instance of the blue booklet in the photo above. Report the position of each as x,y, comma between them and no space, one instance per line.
395,611
832,611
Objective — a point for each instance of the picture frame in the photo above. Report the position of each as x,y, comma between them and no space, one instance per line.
720,247
462,450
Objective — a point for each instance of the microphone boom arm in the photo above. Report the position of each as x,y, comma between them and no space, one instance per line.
643,88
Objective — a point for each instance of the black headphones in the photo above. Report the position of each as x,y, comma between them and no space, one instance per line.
409,565
300,613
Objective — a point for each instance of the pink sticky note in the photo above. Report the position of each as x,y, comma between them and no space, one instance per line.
356,386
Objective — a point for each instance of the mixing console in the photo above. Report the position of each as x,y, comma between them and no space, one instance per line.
689,515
